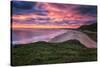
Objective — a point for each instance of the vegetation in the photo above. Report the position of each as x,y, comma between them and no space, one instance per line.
92,27
50,53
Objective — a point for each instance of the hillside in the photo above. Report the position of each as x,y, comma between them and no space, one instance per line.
51,53
92,27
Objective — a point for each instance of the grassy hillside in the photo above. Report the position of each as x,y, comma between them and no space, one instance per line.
92,27
50,53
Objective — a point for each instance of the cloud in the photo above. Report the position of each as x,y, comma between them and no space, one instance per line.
87,9
24,12
22,7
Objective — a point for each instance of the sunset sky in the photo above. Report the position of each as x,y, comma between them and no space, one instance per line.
27,14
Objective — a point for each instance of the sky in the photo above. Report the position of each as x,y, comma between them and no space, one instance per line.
27,14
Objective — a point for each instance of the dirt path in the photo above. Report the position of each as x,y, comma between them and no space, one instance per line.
75,35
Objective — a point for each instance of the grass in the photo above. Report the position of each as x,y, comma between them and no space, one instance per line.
51,53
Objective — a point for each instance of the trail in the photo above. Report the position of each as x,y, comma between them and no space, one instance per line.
75,35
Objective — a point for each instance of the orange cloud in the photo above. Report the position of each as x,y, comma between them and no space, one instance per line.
33,26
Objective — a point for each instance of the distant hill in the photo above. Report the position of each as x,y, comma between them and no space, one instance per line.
92,27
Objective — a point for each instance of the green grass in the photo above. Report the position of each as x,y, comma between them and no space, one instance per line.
51,53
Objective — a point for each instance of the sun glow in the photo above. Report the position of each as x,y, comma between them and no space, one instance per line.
15,26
